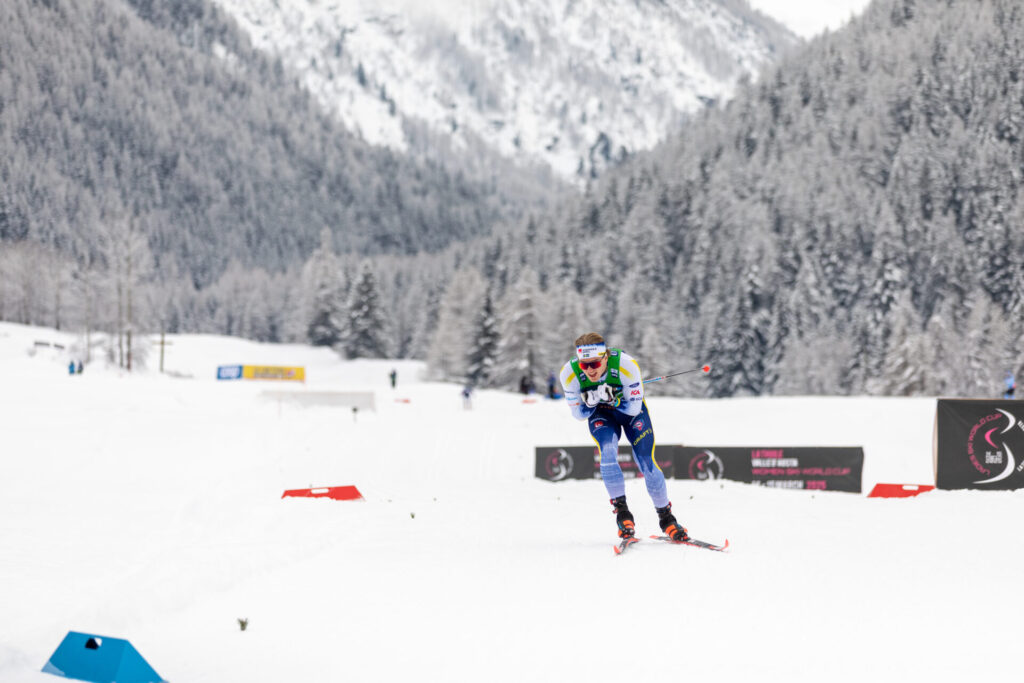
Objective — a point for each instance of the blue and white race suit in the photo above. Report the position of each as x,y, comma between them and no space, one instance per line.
607,424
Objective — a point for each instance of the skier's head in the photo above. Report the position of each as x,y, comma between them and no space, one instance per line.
592,355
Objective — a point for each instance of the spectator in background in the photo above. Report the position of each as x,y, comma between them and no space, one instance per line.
1010,385
78,369
394,377
467,397
551,385
71,368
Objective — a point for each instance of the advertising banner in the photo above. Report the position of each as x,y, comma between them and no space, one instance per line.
279,372
229,372
276,372
979,444
558,463
814,468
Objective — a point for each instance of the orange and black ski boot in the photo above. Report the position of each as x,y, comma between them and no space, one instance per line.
623,517
672,528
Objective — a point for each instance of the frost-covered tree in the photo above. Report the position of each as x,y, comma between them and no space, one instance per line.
129,265
365,335
248,303
742,353
483,352
981,355
909,359
564,317
812,362
655,353
26,292
645,232
942,342
324,295
522,339
423,319
448,356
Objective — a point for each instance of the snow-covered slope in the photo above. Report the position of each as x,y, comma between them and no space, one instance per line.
149,507
570,84
809,18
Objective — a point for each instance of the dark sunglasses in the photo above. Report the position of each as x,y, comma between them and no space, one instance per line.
591,364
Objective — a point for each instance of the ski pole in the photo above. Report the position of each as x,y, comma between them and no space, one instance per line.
705,369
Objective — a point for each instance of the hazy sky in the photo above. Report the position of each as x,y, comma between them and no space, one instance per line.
807,18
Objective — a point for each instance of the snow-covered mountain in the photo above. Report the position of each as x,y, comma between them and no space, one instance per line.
569,84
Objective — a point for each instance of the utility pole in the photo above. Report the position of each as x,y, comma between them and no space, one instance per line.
163,343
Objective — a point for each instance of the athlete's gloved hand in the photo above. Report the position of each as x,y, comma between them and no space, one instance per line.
606,393
590,398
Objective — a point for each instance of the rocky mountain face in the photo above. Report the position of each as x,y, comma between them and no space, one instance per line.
568,85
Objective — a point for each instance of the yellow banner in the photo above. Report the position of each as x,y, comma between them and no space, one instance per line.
297,374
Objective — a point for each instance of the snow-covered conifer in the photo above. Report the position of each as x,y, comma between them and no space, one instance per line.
522,338
324,295
483,345
449,350
365,335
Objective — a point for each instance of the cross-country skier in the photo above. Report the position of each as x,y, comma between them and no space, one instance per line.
604,387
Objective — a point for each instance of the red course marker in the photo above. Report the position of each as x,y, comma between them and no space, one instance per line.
332,492
898,490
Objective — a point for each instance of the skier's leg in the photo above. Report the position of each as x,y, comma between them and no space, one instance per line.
640,433
606,434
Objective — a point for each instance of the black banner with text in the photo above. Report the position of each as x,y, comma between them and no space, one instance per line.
979,444
813,468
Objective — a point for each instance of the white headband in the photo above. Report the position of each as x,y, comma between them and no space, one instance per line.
588,351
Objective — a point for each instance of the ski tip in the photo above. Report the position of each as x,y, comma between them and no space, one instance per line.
621,547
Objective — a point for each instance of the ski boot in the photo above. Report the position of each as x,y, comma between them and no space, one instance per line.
672,528
623,517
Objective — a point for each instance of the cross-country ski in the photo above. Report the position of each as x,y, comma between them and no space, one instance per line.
625,544
693,542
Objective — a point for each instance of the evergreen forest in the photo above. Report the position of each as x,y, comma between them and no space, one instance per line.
849,223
